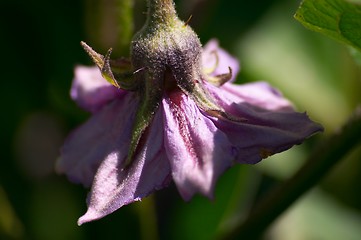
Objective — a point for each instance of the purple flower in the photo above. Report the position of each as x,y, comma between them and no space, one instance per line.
167,114
183,141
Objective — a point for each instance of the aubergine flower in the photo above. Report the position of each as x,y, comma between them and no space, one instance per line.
170,114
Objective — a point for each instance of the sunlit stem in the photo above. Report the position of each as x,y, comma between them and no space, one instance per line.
125,25
148,219
160,11
110,24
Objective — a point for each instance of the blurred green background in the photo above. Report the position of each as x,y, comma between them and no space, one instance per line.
40,48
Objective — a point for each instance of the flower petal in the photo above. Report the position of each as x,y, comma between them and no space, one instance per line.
225,60
106,131
259,94
90,90
270,125
115,186
198,152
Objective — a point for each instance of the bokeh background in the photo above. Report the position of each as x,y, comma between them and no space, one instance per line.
40,48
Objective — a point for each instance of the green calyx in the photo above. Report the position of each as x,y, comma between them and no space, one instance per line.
117,72
165,57
165,43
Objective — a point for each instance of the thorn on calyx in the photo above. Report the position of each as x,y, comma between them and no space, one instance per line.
139,70
188,20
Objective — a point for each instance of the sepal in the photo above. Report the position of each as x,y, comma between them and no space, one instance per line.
117,72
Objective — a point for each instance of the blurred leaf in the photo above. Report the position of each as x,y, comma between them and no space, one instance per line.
306,67
354,1
337,19
356,55
318,216
279,166
202,218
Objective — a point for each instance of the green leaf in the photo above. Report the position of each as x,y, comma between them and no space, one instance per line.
338,19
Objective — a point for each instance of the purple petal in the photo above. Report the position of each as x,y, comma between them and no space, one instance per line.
90,90
115,186
106,131
270,125
225,59
198,152
259,94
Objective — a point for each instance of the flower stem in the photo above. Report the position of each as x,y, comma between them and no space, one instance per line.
148,219
161,11
317,166
110,24
10,225
125,25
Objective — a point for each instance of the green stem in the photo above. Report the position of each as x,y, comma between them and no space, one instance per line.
315,168
110,25
125,25
10,225
148,219
161,11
